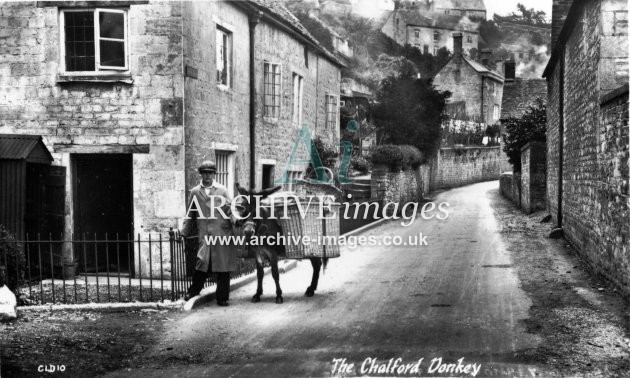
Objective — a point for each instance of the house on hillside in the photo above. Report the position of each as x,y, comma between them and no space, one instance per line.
587,133
474,9
430,32
127,115
476,89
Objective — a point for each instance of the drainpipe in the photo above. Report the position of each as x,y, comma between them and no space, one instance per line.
254,19
560,138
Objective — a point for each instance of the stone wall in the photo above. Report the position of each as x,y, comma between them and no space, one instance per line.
217,117
275,138
141,108
533,179
462,166
593,147
397,187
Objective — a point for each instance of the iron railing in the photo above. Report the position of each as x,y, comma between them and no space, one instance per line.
98,269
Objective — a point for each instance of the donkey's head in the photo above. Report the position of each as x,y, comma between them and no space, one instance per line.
251,224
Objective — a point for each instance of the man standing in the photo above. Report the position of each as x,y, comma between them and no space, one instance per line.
203,208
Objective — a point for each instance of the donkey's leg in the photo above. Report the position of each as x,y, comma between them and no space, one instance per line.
317,264
273,259
260,272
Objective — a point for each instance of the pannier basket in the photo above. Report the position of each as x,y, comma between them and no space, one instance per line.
322,233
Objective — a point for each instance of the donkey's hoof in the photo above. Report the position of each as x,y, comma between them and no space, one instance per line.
256,299
309,292
279,300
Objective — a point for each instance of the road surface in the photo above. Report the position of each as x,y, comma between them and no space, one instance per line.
459,297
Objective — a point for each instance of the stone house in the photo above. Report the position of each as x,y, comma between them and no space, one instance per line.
430,32
587,132
128,98
475,9
476,89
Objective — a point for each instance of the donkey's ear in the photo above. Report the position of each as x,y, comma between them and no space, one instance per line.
270,191
241,190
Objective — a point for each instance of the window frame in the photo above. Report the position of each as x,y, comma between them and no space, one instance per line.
229,60
336,117
230,166
278,95
496,112
298,99
98,69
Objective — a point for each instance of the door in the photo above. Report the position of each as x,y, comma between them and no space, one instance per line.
103,211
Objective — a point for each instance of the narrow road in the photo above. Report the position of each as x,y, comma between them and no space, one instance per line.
458,297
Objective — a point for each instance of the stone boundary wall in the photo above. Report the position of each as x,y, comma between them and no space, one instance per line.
510,187
402,187
533,177
455,167
596,217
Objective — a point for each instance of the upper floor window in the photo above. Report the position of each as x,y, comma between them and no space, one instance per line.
620,26
469,39
94,40
496,112
417,33
298,93
225,169
271,106
436,36
331,112
224,57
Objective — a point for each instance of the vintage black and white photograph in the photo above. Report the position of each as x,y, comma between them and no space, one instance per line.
314,188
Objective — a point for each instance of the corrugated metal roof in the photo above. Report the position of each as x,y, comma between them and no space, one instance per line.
18,147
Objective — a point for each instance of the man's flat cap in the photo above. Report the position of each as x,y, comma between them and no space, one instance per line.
207,166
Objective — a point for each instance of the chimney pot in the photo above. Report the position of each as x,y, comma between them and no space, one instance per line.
457,44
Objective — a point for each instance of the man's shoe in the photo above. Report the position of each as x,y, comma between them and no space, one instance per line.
222,303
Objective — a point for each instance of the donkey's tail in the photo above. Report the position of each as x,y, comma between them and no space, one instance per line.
325,264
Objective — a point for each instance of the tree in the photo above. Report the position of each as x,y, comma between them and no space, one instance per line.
531,127
410,111
524,16
490,35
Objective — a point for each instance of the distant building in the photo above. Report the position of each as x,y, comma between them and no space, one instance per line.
476,89
470,8
430,33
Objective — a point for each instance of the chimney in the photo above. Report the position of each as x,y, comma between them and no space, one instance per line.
486,55
499,66
457,47
559,11
510,70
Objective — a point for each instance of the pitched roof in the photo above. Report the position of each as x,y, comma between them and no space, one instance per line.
276,8
520,94
24,147
483,69
460,4
441,21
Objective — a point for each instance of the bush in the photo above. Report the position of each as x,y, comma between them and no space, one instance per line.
359,164
531,127
388,154
11,256
327,154
412,157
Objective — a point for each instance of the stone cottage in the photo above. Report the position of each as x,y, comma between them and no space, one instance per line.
587,132
429,32
476,88
129,96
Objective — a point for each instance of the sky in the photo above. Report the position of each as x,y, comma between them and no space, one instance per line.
373,8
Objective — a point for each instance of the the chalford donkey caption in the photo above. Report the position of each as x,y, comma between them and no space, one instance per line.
434,188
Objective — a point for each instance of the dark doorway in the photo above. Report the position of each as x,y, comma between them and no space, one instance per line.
103,210
267,176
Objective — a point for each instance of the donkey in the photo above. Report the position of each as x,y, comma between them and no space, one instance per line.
252,226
